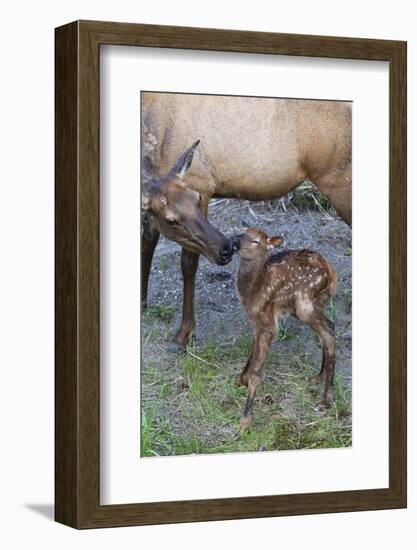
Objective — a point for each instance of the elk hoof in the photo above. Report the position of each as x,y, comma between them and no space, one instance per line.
144,304
173,347
184,340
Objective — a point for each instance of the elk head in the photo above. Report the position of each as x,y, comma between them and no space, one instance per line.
178,211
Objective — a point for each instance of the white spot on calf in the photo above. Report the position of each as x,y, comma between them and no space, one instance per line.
304,308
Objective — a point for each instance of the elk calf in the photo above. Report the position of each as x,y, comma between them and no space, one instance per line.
295,282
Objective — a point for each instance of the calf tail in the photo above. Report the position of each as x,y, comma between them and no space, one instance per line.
332,282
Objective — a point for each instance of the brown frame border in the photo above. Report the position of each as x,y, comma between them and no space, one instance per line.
77,274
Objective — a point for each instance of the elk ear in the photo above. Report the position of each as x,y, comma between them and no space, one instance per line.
183,164
146,200
147,179
273,242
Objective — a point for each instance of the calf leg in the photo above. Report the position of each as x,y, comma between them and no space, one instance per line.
322,373
243,378
189,264
325,331
261,345
150,238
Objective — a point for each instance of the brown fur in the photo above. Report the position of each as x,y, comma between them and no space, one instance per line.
293,282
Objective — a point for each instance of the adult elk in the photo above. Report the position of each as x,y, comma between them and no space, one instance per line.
250,148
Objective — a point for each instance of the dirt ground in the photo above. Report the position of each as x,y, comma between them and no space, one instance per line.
171,420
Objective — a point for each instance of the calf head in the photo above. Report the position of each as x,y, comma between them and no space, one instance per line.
254,244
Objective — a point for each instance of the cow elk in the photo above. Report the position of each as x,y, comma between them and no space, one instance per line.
292,282
250,148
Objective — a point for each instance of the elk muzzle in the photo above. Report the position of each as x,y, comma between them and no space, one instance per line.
226,251
235,240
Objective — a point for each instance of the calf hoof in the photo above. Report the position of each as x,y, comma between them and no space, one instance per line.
144,304
322,406
245,422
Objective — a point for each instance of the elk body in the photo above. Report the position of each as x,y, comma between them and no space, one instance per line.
250,148
292,282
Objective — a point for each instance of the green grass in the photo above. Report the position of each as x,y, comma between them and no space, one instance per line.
164,313
163,264
192,404
331,308
348,297
307,196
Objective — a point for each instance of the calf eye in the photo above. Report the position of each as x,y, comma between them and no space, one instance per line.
171,221
255,242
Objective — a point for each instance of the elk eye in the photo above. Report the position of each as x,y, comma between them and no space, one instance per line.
255,242
171,221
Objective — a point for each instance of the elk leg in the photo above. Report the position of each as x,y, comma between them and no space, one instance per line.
261,345
189,264
337,187
150,238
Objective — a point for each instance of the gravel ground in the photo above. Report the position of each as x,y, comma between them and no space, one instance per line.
220,316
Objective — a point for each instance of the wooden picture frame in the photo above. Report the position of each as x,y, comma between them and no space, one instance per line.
77,373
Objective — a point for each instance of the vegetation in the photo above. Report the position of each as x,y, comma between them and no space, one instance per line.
193,405
160,312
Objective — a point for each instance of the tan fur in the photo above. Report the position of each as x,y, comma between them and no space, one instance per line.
253,148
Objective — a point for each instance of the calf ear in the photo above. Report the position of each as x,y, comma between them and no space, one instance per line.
273,242
183,164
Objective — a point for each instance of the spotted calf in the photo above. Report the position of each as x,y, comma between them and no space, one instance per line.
292,282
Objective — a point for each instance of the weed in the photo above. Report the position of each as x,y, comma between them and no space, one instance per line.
283,333
348,297
332,310
163,264
164,313
307,197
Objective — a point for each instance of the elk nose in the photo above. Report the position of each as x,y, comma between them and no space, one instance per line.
235,243
226,252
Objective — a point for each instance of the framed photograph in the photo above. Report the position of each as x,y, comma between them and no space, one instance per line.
230,274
